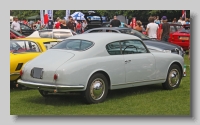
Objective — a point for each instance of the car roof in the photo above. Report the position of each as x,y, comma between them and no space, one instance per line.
105,37
66,30
37,39
109,28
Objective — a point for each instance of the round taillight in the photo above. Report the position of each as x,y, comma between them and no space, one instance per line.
21,72
55,77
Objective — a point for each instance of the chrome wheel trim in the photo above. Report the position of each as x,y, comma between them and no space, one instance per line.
97,89
174,77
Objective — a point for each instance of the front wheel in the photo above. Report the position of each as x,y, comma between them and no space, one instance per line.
97,89
173,78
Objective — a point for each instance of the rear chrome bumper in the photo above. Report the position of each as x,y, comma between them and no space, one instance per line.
42,86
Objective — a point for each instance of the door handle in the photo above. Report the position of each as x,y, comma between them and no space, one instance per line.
127,61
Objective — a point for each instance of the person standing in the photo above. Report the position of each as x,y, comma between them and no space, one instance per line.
57,25
180,20
78,27
174,20
152,29
157,21
139,26
63,25
84,24
183,21
38,25
50,23
16,25
115,22
165,30
187,21
70,24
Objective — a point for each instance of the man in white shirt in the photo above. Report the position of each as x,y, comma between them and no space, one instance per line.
180,20
152,29
15,25
183,21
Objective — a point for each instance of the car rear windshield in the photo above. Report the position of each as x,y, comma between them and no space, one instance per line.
74,44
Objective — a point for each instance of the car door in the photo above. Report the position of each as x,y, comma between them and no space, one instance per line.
139,63
26,30
115,62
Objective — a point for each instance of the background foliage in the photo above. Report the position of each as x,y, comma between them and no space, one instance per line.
139,14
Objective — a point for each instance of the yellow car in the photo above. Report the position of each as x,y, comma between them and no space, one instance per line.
24,49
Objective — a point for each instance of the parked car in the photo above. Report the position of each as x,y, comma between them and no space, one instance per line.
151,44
59,34
15,35
180,35
94,63
92,23
26,30
23,50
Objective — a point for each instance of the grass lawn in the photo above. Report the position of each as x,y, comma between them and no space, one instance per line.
145,100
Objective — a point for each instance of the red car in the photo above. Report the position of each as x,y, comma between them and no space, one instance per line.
180,35
14,34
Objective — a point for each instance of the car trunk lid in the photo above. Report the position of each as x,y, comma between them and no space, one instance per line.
46,65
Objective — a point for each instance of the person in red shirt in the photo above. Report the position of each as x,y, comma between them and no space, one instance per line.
25,22
57,25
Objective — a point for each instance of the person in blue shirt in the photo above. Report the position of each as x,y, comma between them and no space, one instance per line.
157,21
122,24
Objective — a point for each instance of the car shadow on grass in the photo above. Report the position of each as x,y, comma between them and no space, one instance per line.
121,93
76,98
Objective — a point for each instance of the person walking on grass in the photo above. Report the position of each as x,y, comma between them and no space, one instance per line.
165,29
152,29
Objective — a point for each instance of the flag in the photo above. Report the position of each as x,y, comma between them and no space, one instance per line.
46,17
184,14
50,13
42,16
67,13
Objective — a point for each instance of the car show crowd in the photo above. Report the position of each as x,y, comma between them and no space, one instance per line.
79,26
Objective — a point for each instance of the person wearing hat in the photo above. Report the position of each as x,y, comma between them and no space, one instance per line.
15,25
165,29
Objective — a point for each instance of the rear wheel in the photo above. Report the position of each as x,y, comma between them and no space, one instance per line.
173,78
44,93
97,89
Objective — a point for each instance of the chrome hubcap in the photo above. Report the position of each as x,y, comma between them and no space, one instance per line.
97,89
174,77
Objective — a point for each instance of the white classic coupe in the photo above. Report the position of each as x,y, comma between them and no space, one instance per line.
97,62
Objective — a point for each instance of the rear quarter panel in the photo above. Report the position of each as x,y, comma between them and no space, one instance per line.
78,71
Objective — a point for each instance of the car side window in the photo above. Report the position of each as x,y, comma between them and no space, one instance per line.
31,46
113,48
24,27
132,47
111,31
95,31
23,46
